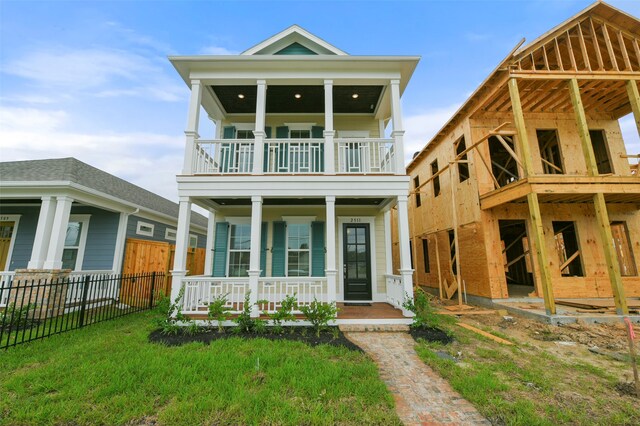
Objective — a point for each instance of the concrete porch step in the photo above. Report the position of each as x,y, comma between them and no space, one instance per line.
381,328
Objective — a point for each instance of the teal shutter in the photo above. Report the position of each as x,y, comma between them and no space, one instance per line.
229,132
317,249
227,154
282,132
263,249
220,249
279,250
267,131
317,132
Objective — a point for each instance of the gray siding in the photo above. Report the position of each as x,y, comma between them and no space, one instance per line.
101,237
25,235
158,231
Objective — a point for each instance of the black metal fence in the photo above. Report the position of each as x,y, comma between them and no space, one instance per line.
35,309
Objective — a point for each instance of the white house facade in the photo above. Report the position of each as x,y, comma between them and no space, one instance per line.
300,176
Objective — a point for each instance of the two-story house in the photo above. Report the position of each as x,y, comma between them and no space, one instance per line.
302,171
527,191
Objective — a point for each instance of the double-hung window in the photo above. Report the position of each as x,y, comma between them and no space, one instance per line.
74,242
298,249
239,249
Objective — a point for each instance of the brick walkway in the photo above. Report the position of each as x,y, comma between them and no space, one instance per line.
422,396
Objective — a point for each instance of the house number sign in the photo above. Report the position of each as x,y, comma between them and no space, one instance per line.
355,220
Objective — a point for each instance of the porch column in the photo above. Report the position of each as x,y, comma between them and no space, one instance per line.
403,243
191,131
121,238
182,244
634,100
388,255
398,131
43,233
254,256
259,133
329,133
602,216
208,256
330,239
58,233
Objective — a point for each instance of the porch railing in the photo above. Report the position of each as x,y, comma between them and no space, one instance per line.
273,290
395,290
226,156
200,291
5,282
294,156
365,156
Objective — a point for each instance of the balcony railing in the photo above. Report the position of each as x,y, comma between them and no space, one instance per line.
395,290
295,156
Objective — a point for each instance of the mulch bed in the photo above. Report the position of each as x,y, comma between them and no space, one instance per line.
332,336
430,335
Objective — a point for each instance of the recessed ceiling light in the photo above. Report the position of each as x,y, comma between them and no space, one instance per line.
355,96
240,95
297,96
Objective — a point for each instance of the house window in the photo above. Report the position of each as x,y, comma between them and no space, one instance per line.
416,185
601,151
435,180
550,154
298,249
244,134
463,168
622,245
566,239
239,250
145,229
299,134
193,240
425,255
74,242
170,234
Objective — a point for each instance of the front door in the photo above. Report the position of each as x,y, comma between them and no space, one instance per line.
6,231
357,261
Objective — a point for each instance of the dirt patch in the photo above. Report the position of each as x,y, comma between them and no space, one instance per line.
626,388
333,337
430,335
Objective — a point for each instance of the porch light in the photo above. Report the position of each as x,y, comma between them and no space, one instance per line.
240,95
297,96
355,96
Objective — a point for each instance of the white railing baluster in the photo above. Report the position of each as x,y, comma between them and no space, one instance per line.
395,290
365,155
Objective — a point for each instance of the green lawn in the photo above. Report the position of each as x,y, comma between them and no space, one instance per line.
109,374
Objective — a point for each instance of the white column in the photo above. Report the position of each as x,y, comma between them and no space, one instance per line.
58,233
259,133
43,233
182,245
388,255
191,131
208,257
398,130
120,243
254,256
331,271
218,129
329,132
403,244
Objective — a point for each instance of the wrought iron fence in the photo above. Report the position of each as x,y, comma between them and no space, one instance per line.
35,309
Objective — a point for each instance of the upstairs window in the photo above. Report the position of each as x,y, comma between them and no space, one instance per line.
300,134
435,180
550,153
425,254
244,134
416,185
601,151
463,168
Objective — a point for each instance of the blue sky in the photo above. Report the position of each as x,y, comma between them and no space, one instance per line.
91,79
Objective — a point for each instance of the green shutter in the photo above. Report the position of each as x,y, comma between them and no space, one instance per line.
229,132
279,249
317,132
220,249
317,249
263,249
267,131
282,132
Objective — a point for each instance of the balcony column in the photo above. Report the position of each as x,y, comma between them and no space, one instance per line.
182,244
43,232
259,133
406,272
58,233
331,271
398,130
208,257
329,133
191,132
254,255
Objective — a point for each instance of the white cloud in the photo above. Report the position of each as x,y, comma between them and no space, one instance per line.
422,127
217,50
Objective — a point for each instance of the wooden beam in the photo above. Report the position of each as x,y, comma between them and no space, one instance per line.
634,100
607,41
438,264
572,57
625,53
454,213
569,260
522,138
508,149
486,166
557,49
485,334
596,45
602,216
568,75
583,48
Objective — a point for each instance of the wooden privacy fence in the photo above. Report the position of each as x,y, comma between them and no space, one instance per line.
144,255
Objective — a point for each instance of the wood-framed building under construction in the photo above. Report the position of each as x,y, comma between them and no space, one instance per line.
528,189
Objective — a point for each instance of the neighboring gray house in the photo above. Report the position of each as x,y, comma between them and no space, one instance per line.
65,214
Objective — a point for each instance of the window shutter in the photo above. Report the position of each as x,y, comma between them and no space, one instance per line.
267,131
279,249
282,132
317,249
220,249
317,132
263,249
229,132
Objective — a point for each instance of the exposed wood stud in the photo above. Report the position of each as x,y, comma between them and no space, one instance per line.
557,49
636,48
583,48
454,212
596,46
607,40
625,53
634,100
572,58
546,60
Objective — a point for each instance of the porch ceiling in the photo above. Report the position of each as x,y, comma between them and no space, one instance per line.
282,99
227,202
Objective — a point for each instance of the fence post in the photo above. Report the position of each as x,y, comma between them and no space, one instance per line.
153,285
85,292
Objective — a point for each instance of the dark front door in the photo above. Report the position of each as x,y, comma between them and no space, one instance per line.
357,261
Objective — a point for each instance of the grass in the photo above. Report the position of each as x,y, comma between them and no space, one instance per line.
110,374
523,385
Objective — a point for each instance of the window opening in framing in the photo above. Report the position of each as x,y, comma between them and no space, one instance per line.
416,185
516,257
566,239
425,255
435,180
463,168
550,153
624,249
601,151
503,166
452,252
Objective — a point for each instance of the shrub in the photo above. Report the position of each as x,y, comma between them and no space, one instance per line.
319,314
285,313
424,314
243,320
218,310
172,318
17,318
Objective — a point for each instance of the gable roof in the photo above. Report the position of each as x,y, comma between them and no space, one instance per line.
75,171
293,35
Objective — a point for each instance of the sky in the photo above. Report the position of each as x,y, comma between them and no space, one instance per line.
91,79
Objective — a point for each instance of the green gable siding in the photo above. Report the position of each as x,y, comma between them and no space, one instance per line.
295,49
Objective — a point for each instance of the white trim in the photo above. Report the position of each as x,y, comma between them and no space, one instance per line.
15,218
371,221
300,126
290,35
236,221
121,239
298,219
354,134
142,232
167,233
244,126
84,220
